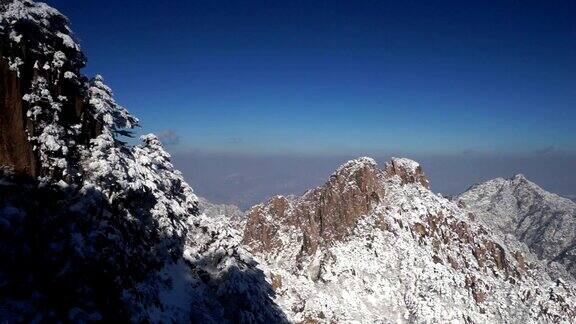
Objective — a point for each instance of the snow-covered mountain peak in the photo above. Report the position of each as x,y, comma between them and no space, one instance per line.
519,177
371,244
351,167
409,165
544,221
520,180
329,213
321,216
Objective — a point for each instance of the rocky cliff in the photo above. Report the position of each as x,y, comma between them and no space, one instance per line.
323,215
373,244
15,149
40,64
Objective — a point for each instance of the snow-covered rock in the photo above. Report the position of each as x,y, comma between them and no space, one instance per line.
377,245
544,221
44,113
408,170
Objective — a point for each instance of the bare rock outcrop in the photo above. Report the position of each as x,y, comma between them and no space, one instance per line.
330,212
324,214
408,170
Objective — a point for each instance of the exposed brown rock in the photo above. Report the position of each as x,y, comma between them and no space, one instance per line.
463,231
276,282
479,253
453,263
259,232
15,149
419,230
383,225
496,252
325,214
437,259
408,170
477,292
310,320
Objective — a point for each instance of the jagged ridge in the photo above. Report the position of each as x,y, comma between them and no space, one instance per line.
405,254
544,221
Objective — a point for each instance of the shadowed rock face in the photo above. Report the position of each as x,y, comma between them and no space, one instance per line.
328,213
15,149
43,95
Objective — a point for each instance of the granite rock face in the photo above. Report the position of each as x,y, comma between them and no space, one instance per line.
328,213
15,149
409,171
372,244
324,215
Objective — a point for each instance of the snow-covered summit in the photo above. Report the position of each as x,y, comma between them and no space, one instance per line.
519,177
378,244
410,165
325,214
354,165
544,221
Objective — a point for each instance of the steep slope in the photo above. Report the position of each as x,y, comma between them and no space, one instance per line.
544,221
377,245
92,229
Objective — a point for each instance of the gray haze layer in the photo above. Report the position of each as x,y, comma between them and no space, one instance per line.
245,180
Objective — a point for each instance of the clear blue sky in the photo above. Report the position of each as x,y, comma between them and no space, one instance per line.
341,77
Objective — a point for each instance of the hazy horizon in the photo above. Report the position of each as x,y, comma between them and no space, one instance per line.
246,180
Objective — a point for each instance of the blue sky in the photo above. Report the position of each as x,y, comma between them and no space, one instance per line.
340,77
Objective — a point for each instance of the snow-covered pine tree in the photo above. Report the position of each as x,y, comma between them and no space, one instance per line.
36,41
88,242
48,136
105,110
102,236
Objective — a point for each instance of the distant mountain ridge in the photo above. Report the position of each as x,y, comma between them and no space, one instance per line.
544,221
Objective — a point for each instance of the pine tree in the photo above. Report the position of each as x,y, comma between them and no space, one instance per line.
49,137
105,109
